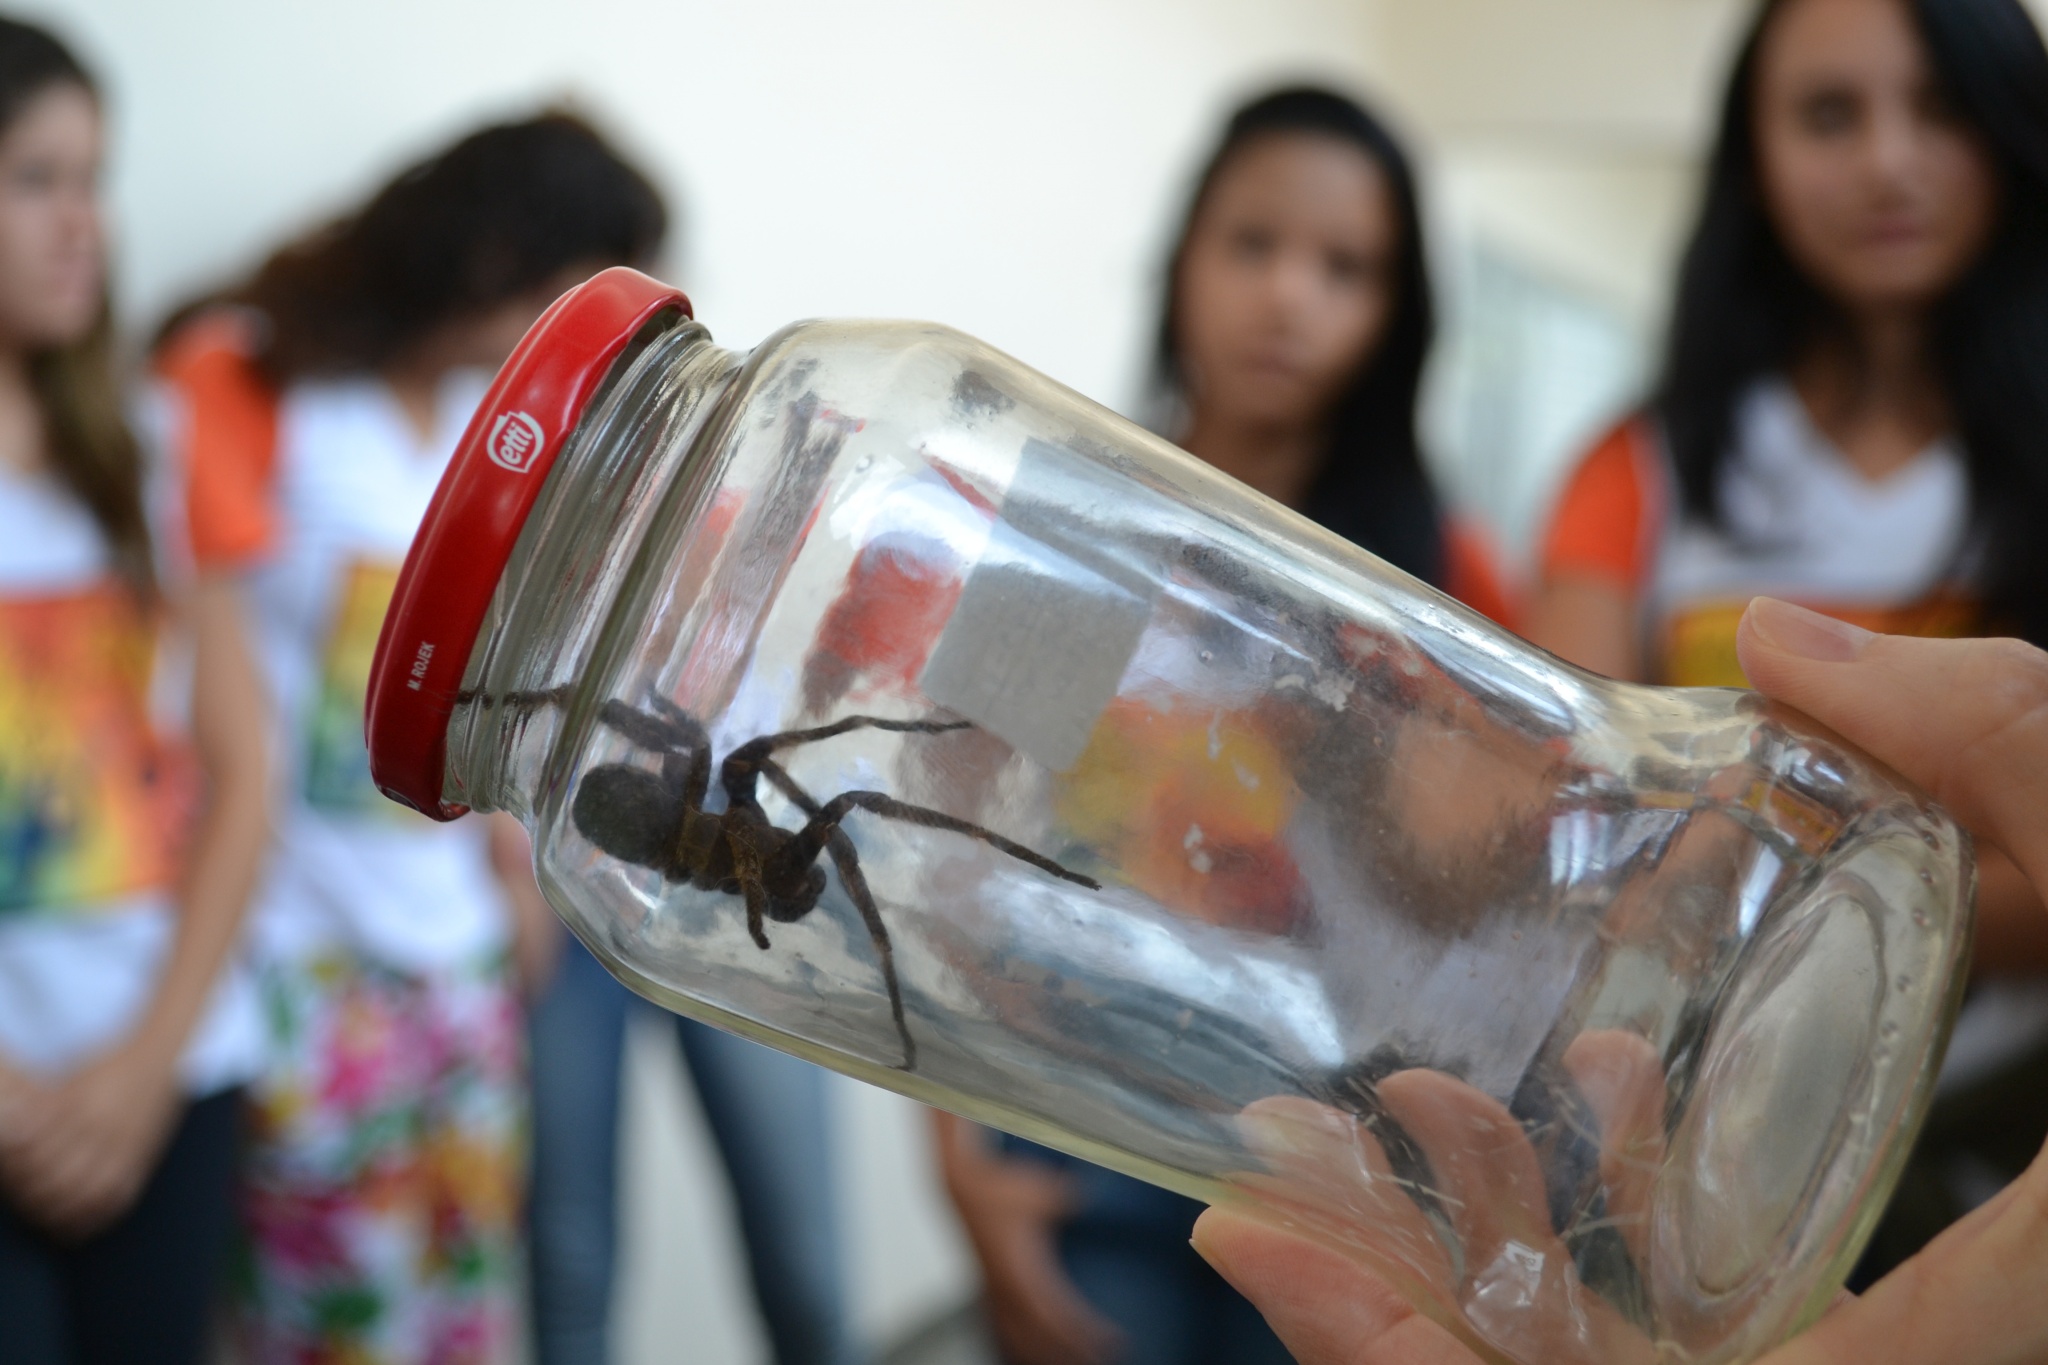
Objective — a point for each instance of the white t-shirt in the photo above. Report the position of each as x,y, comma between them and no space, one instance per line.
92,806
334,507
1803,523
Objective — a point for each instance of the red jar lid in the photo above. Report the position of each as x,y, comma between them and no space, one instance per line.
463,544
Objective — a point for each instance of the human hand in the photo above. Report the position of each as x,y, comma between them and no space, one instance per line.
75,1152
1514,1293
1012,1210
1967,720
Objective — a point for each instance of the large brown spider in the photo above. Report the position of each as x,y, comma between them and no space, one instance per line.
659,821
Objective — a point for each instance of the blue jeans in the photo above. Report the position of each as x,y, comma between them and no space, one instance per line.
1127,1252
141,1290
767,1113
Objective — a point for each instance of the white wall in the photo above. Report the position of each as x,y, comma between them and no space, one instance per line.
1004,168
1007,169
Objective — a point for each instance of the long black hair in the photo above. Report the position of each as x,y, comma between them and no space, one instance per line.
1372,488
1744,310
494,216
77,384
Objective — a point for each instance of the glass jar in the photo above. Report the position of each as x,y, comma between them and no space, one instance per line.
875,697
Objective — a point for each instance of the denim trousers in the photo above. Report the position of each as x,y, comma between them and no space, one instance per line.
767,1114
1126,1249
141,1290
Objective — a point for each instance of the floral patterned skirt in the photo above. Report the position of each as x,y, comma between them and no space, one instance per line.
384,1168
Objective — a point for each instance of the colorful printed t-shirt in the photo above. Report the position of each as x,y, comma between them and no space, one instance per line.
314,496
93,802
1801,524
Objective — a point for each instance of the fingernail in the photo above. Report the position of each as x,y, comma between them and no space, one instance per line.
1806,634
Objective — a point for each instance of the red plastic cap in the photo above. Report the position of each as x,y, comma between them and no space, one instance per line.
462,546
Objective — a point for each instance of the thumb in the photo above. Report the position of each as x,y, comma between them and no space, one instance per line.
1966,719
1324,1306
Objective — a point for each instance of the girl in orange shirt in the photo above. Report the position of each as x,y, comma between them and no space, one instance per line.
1851,417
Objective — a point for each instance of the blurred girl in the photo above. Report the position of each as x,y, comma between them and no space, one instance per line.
318,404
1851,416
124,1037
1298,317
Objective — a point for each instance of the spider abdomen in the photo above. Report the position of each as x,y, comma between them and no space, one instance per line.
629,813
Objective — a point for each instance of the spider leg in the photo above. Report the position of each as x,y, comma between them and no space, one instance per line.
806,843
673,733
648,730
757,907
746,868
743,764
689,777
693,731
666,727
847,860
779,778
517,701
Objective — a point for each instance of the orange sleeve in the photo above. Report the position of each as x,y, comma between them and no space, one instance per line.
1607,522
226,440
1472,573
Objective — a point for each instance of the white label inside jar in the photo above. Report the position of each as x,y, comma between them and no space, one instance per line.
1050,614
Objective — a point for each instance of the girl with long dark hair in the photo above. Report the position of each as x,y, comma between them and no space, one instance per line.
1853,415
1297,321
316,406
126,1031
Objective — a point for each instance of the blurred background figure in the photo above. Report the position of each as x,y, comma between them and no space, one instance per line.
1297,320
1851,416
766,1110
316,405
767,1114
126,1031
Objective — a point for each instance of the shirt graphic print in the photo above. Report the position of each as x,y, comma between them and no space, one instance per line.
89,795
337,766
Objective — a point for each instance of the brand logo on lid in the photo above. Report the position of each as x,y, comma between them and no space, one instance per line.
516,440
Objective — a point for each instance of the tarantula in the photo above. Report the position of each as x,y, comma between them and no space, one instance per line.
658,820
